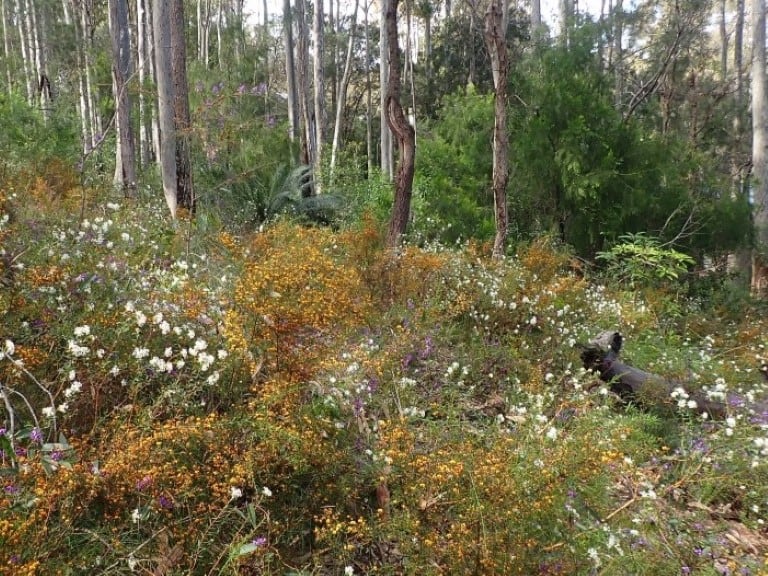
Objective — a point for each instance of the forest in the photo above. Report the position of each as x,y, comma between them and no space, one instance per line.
406,287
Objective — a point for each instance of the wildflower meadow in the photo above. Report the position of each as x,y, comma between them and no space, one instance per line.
189,399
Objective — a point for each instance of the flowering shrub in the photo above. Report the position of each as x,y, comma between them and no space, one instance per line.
302,400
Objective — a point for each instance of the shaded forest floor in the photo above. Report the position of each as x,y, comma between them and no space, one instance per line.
299,401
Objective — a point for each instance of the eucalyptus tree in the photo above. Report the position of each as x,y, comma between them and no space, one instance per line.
496,18
342,94
319,91
173,104
290,70
182,122
144,124
6,47
303,86
759,143
125,173
385,66
401,129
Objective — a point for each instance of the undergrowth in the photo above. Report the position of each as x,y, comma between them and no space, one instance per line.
299,401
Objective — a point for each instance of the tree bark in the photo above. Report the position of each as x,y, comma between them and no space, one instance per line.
536,25
121,72
401,129
368,95
496,40
319,93
145,137
342,97
6,47
290,70
27,58
384,68
185,194
759,159
305,107
161,21
723,42
616,53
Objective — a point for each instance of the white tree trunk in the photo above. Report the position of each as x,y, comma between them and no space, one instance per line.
368,95
290,70
162,44
386,134
154,114
536,27
65,11
303,86
319,93
27,57
141,52
342,97
6,47
121,73
759,159
219,47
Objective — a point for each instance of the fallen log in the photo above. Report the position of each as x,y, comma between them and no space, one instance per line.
647,390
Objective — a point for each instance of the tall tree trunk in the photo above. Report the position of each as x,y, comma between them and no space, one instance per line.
759,159
84,106
723,42
207,31
200,35
27,57
496,41
65,12
86,24
219,43
368,96
334,54
185,194
566,8
121,72
154,111
402,130
161,25
616,53
303,85
319,86
738,47
144,123
290,70
536,24
42,80
471,46
342,99
6,47
384,70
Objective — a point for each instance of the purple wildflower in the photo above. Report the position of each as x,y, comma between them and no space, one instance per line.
260,541
36,435
145,482
165,502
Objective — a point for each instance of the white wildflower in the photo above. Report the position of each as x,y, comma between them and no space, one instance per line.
81,331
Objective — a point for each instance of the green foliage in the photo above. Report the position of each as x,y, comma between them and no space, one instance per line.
27,141
581,169
639,260
242,156
452,197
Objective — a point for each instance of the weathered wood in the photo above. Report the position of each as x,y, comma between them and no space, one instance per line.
645,389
